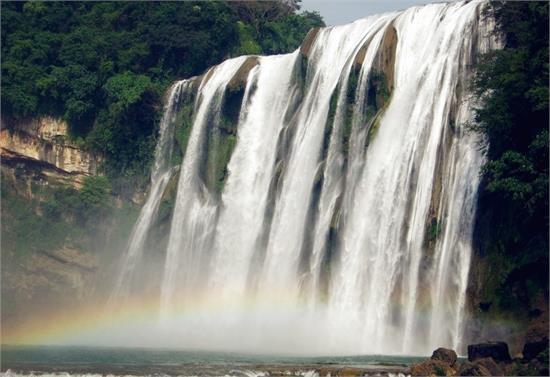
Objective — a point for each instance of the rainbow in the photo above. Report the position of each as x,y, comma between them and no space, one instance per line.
67,324
54,326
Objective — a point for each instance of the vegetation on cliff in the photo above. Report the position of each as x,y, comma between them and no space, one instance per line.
104,66
512,223
53,216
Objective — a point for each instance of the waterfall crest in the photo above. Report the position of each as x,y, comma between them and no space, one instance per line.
327,195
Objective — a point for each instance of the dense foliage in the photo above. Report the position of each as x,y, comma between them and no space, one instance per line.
512,227
104,66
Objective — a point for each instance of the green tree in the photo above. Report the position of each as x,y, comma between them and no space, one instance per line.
512,84
94,197
104,66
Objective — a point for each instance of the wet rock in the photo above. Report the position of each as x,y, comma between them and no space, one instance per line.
446,355
498,351
305,48
431,367
385,57
238,81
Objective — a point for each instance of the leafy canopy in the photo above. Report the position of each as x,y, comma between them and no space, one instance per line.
512,84
103,66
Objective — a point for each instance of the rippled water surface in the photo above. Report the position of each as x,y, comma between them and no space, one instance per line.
26,360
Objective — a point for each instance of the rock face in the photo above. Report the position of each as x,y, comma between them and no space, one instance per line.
30,174
385,59
37,159
238,81
305,47
45,140
498,351
446,355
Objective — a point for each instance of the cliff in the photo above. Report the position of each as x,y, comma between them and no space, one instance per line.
42,144
45,251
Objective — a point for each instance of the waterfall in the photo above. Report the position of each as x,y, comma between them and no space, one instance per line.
160,175
327,195
195,212
251,168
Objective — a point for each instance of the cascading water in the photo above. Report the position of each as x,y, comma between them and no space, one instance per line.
160,175
195,213
328,195
251,169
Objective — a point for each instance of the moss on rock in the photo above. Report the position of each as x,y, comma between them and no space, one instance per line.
182,131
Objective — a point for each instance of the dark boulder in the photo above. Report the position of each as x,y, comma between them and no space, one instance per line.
498,351
446,355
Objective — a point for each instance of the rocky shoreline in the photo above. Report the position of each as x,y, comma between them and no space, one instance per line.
488,359
484,359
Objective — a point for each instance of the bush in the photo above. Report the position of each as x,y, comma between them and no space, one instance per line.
94,197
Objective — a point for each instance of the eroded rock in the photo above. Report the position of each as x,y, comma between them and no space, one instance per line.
45,140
